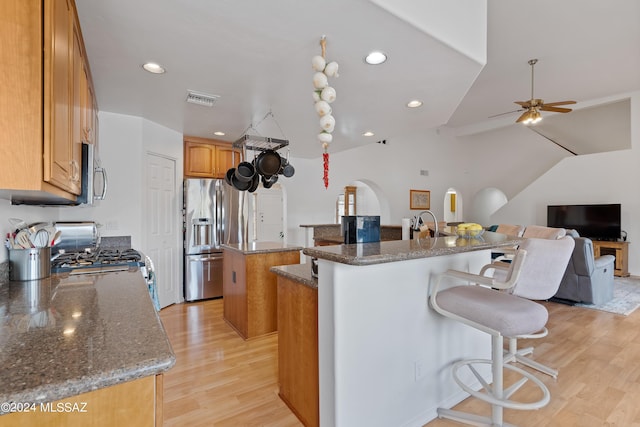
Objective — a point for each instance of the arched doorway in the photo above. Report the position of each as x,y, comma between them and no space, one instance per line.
370,200
452,206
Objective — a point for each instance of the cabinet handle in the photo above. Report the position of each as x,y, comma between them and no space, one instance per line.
75,171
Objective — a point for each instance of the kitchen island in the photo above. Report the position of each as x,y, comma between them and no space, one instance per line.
298,341
249,288
81,350
384,354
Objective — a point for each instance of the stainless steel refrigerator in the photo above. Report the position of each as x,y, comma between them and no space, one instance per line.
214,213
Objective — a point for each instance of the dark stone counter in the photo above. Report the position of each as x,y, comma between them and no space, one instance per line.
300,273
67,335
401,250
260,247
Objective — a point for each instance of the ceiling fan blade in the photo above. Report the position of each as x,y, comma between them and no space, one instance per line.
555,109
508,112
523,117
524,104
553,104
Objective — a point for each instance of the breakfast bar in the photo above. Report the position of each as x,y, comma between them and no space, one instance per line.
384,354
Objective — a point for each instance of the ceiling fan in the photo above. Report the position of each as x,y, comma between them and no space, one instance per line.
533,106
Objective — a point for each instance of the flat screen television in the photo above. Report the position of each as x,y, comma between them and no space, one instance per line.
598,222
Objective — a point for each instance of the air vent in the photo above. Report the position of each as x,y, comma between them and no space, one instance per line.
200,98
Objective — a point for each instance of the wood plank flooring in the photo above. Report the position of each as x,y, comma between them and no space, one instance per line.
221,380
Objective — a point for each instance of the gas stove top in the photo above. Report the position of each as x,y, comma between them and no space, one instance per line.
98,261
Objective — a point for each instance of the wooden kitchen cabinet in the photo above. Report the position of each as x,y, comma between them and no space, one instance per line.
133,403
45,63
249,289
208,158
298,366
618,249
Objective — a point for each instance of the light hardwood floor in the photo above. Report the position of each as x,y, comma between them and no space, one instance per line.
221,380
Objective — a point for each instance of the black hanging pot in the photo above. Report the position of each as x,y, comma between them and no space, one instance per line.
268,163
267,182
254,183
245,172
240,185
227,178
287,168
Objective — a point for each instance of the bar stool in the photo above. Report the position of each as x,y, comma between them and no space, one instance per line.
483,304
539,279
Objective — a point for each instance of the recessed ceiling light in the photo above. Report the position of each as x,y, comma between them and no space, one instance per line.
375,58
368,133
415,103
154,68
218,133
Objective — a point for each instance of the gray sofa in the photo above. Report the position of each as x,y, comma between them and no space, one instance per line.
587,279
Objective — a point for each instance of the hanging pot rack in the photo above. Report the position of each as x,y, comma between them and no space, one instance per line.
258,142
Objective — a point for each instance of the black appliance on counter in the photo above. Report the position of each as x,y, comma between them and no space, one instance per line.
361,229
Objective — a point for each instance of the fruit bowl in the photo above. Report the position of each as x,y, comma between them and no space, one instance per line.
468,234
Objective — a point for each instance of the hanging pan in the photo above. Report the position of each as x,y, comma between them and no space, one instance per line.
268,163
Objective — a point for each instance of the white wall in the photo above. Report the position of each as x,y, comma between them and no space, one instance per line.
120,142
508,159
124,141
393,167
596,178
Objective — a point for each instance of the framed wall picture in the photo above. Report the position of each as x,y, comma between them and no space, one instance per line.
419,199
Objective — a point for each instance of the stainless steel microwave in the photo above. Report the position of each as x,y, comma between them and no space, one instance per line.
94,177
93,185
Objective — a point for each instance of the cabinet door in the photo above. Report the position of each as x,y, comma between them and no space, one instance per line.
88,111
58,167
199,159
79,86
226,158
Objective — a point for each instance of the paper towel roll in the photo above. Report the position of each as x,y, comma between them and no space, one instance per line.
406,224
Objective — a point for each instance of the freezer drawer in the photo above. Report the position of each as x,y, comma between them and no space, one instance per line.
202,276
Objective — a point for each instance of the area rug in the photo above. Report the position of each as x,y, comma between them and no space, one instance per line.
626,297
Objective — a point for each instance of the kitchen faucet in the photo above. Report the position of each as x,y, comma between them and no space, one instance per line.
418,220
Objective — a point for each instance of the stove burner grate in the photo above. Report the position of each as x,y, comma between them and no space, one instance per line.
102,257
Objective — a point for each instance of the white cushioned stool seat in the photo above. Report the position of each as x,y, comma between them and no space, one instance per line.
487,305
503,312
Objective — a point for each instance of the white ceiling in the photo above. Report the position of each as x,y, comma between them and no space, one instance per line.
256,55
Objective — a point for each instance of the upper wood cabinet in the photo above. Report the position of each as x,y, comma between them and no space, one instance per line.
43,102
208,158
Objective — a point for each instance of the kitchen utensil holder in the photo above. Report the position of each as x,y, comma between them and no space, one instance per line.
29,264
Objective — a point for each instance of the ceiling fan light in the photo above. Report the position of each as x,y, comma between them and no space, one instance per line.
537,117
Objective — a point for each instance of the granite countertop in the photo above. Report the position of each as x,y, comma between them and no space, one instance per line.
67,335
297,272
401,250
260,247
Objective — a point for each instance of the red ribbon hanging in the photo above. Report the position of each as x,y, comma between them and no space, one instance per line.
325,158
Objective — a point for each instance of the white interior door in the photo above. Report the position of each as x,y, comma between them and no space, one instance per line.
161,223
269,214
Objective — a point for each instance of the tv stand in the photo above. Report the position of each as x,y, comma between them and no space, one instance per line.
618,249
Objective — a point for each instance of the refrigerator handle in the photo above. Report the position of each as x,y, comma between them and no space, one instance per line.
220,214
